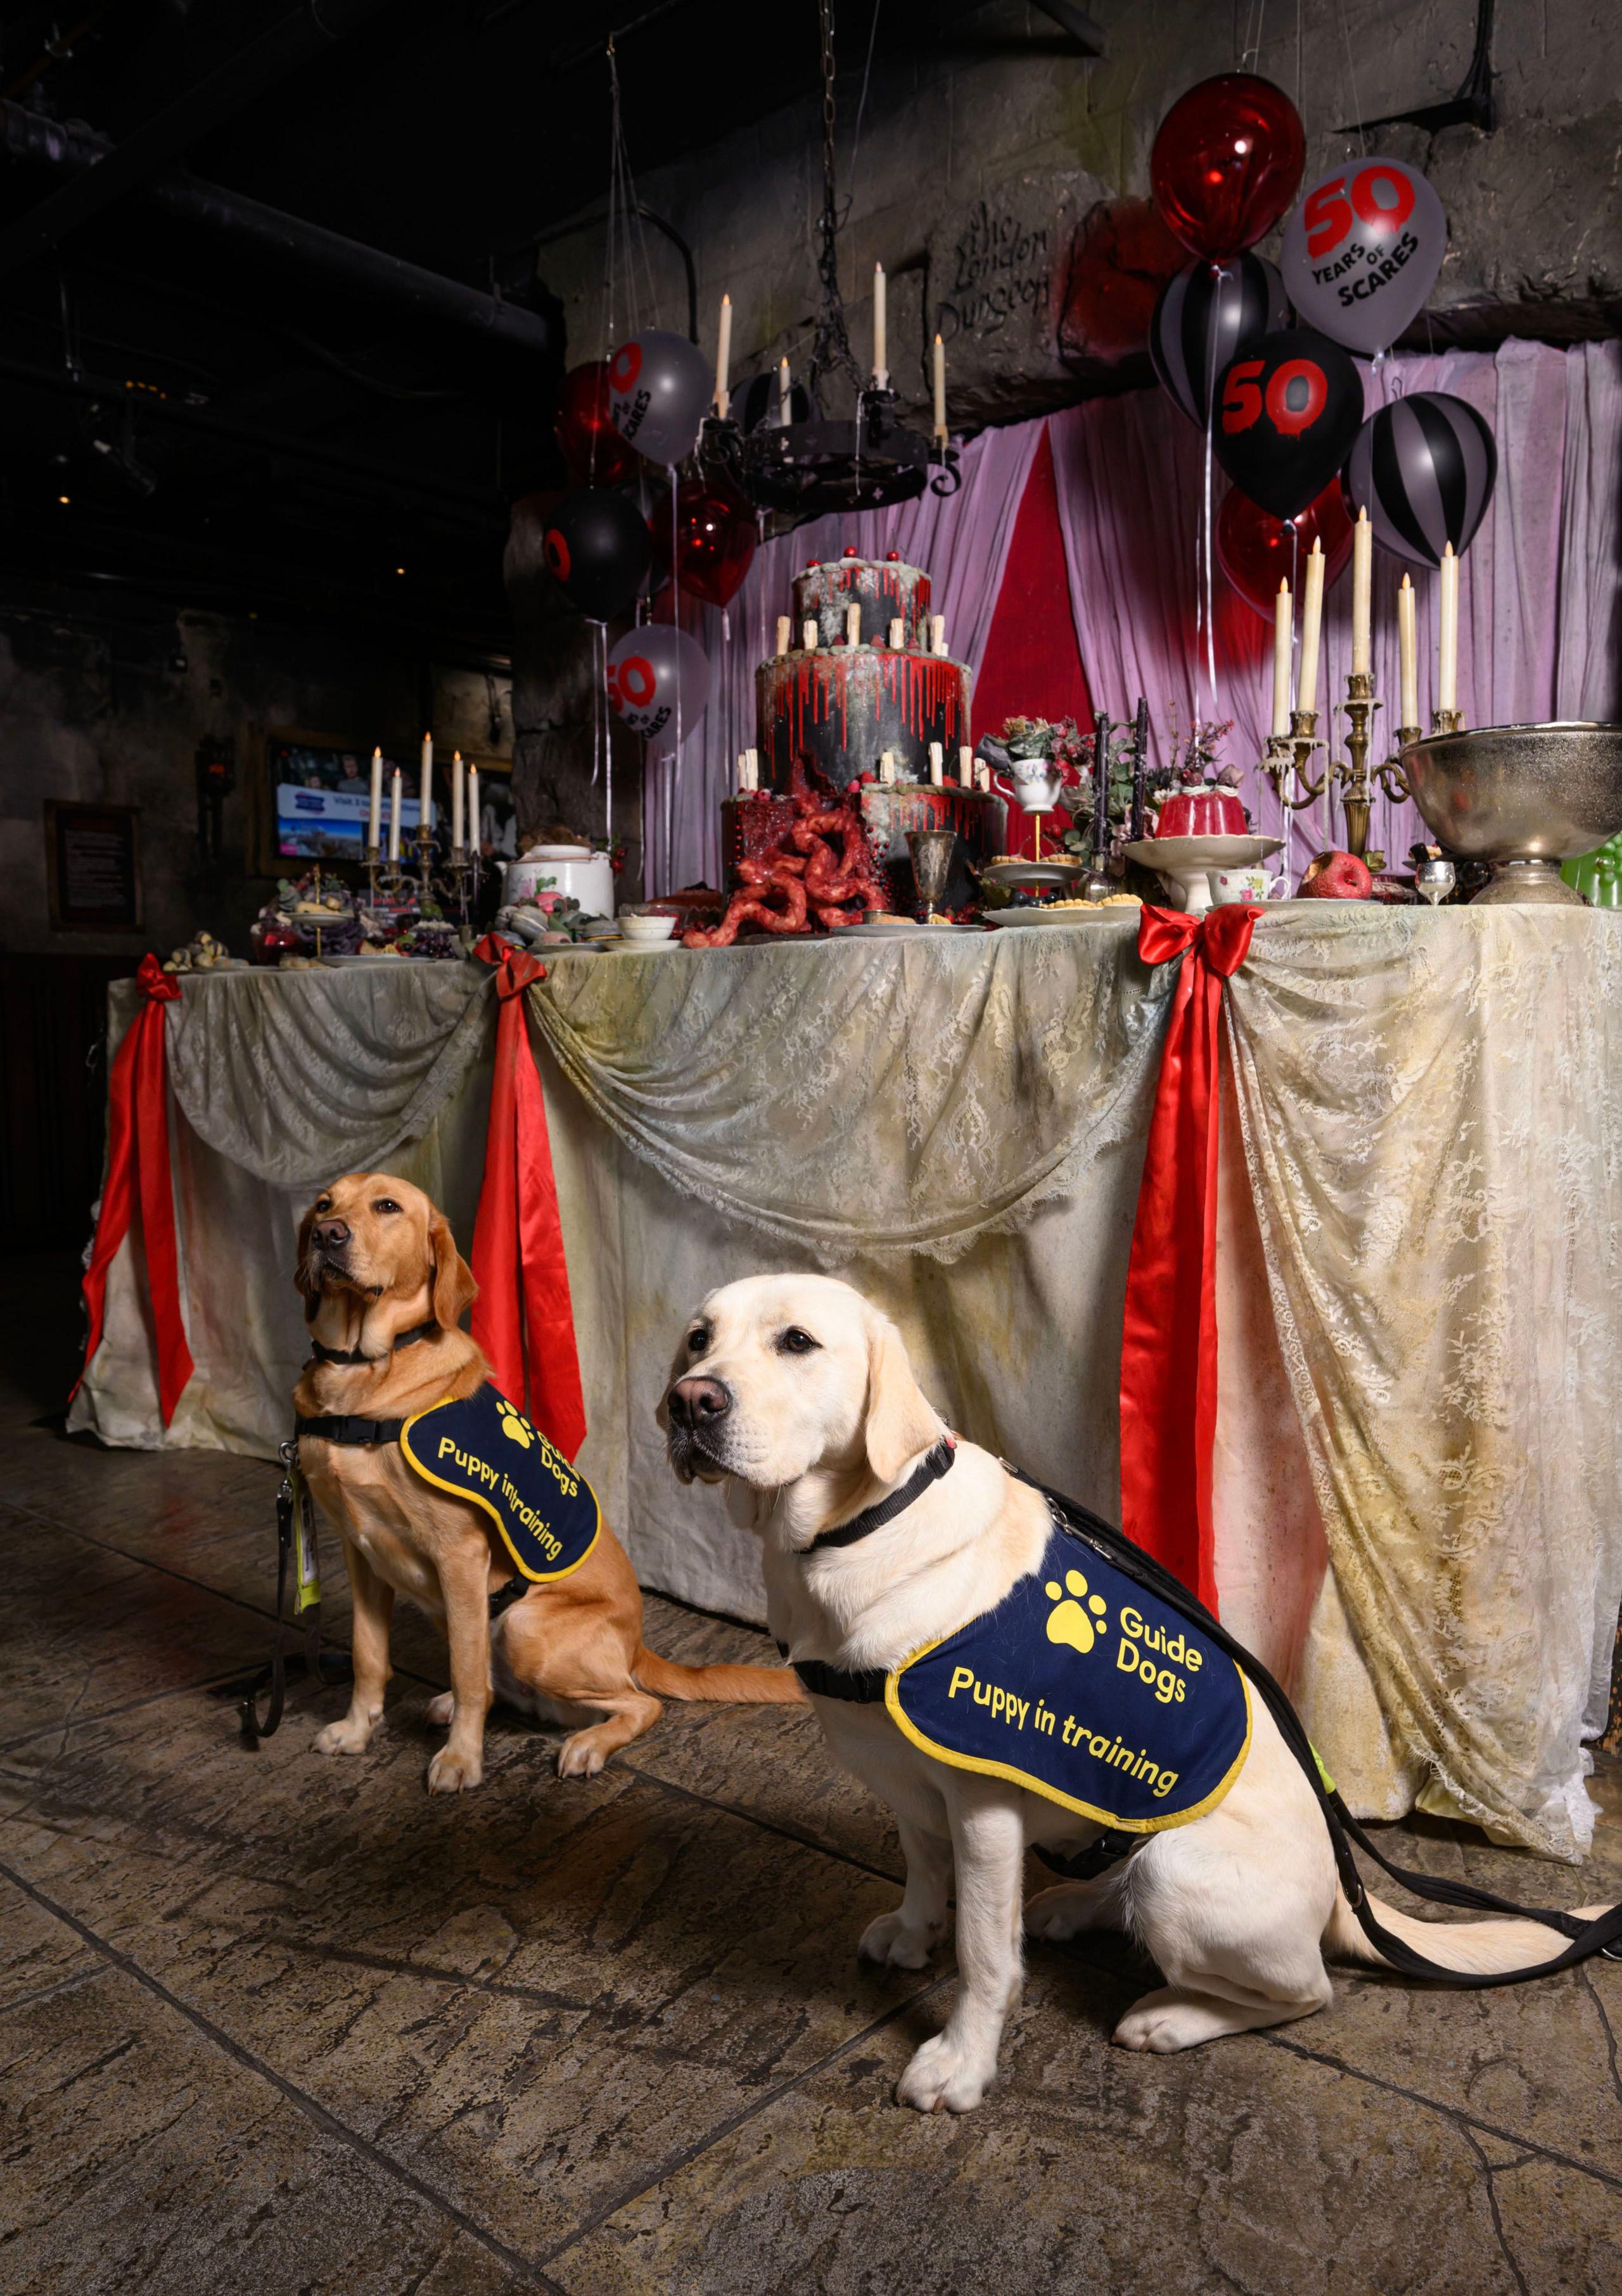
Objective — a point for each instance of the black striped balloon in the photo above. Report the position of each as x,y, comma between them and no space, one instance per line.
1425,467
1205,316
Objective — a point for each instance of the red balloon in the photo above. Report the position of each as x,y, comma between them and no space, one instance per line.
594,452
1257,551
1226,163
715,533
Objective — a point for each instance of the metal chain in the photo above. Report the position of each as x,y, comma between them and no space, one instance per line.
831,350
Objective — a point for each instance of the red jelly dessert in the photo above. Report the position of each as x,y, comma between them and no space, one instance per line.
1200,813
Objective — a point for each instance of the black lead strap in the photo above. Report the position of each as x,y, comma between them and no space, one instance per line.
1587,1939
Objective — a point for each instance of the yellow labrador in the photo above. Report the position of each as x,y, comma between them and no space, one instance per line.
794,1388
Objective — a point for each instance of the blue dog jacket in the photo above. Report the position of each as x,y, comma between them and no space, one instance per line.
1088,1689
484,1449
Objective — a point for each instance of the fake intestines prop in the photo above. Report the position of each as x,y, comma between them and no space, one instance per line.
819,868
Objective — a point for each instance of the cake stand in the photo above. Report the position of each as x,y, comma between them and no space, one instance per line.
1185,863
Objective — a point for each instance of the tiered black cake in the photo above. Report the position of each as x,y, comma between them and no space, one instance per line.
840,706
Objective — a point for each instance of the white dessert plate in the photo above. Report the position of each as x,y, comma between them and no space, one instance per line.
1027,918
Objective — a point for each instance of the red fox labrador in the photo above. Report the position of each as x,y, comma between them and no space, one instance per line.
384,1291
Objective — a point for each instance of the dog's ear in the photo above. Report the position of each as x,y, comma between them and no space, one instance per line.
454,1289
901,1421
310,1291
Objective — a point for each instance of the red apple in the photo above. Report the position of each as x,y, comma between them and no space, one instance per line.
1336,877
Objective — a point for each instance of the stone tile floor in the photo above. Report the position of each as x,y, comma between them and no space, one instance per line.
274,2024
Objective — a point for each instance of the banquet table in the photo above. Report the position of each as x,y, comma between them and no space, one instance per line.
1417,1513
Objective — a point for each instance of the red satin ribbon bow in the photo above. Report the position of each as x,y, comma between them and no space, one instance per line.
523,1317
138,1166
1168,1342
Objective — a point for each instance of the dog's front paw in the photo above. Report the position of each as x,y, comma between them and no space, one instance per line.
888,1941
452,1773
345,1737
942,2079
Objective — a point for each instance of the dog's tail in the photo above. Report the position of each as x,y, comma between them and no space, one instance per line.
736,1685
1481,1949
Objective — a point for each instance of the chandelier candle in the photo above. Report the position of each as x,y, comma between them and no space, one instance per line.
1283,629
723,359
1407,653
881,349
428,783
458,799
1311,619
1363,579
1447,666
938,364
783,409
474,839
374,811
395,806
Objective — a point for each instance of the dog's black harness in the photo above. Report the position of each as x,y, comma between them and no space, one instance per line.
866,1687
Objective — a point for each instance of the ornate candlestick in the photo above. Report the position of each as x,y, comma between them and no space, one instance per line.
1356,790
1286,762
1445,721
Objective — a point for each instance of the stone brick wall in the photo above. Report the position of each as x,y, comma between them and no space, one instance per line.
985,153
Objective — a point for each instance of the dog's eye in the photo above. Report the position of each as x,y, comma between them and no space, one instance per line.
385,1204
325,1205
795,1343
698,1341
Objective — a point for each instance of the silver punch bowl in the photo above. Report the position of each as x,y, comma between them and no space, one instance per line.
1525,798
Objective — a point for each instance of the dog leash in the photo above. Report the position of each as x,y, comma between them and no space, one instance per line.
1602,1936
295,1546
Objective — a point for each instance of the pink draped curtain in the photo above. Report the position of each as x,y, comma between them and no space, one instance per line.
1539,588
961,541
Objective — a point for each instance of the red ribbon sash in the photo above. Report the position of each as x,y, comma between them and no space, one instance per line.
1168,1343
523,1317
138,1167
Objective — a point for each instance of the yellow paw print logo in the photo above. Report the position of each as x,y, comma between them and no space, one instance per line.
515,1426
1069,1623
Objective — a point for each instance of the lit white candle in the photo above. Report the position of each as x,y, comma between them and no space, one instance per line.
940,389
1363,579
965,767
1448,667
807,636
723,359
937,634
475,824
853,625
897,636
1282,628
396,807
374,811
1312,617
881,353
428,781
458,818
784,390
785,630
1407,653
938,764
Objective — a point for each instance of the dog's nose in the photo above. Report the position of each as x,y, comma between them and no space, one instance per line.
330,1234
698,1402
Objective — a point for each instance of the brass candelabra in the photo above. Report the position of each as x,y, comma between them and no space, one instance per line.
452,889
1357,786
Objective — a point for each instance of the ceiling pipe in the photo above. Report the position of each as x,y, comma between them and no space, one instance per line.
216,98
425,295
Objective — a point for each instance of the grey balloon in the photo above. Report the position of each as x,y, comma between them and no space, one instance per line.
659,388
1361,252
1424,468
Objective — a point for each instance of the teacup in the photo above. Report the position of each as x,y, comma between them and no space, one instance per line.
1251,884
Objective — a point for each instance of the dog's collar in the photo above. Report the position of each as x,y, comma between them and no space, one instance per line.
344,1427
355,1356
929,1470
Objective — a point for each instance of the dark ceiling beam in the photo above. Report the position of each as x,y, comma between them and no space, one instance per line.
471,508
306,246
289,42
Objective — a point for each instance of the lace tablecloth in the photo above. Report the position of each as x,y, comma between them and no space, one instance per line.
1419,1524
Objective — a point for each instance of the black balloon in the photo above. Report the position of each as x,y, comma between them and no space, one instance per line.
1206,315
1424,468
1287,413
598,548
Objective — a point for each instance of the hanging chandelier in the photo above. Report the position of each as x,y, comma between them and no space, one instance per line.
809,463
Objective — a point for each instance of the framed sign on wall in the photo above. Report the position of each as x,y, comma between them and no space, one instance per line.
92,866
